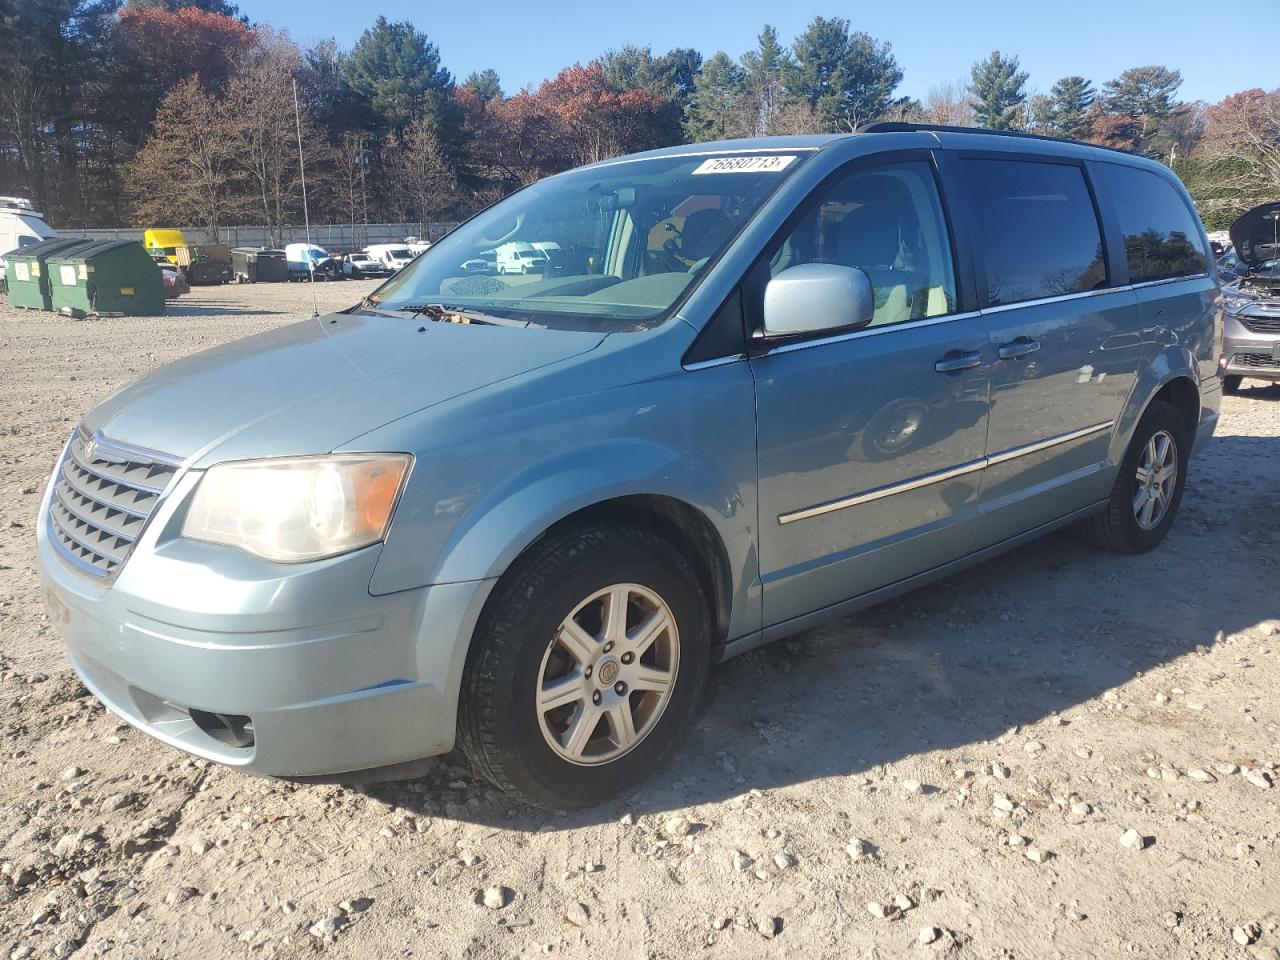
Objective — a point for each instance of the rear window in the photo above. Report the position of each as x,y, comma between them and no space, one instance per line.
1037,230
1161,237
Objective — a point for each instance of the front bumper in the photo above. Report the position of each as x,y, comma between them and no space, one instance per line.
1252,352
330,679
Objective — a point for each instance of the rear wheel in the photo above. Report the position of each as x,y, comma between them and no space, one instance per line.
586,667
1148,488
1231,385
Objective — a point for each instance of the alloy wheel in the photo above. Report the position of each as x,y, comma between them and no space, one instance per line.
1157,478
608,673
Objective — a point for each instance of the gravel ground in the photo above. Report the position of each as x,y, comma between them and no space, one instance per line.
1060,753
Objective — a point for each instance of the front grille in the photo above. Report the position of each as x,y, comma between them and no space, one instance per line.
103,494
1258,361
1261,324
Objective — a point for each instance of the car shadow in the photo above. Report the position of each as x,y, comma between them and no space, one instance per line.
1031,634
190,307
1259,390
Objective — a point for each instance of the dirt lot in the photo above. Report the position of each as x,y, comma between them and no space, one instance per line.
1060,753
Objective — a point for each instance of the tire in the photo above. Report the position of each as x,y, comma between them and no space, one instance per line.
1231,385
519,647
1119,528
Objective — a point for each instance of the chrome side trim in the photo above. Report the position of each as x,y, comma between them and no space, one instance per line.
871,332
1064,298
1160,283
973,466
715,362
1014,452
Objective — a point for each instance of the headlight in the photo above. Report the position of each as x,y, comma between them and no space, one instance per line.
1234,302
300,508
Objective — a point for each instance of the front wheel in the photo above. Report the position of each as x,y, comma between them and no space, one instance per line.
1148,488
586,667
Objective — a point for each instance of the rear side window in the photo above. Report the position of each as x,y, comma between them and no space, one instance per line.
1161,237
1037,231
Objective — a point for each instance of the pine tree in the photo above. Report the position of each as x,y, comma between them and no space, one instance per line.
1068,109
998,90
715,109
485,84
397,71
847,78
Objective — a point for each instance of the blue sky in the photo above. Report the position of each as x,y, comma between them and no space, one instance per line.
934,40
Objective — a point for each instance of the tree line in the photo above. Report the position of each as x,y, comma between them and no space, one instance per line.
182,112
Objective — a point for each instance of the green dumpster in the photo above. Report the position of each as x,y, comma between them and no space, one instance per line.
27,271
107,276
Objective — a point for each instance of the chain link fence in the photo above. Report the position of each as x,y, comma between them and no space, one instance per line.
332,236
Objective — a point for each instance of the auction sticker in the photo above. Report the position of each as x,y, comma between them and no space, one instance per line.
757,163
21,272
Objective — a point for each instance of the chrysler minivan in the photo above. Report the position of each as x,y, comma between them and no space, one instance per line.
526,515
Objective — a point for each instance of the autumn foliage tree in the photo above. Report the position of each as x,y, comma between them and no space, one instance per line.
156,49
594,121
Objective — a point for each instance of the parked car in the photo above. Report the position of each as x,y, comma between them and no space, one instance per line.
520,257
363,265
173,280
393,256
526,517
486,262
1251,342
417,245
311,262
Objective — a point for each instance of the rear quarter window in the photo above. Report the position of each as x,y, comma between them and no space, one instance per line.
1036,229
1161,237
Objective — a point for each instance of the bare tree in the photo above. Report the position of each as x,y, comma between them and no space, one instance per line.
350,188
949,104
1243,137
186,171
260,103
421,176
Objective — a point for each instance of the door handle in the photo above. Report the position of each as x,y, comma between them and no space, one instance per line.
956,361
1019,348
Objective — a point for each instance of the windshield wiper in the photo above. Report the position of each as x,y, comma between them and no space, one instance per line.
450,313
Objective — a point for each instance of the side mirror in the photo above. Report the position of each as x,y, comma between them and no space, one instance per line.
813,297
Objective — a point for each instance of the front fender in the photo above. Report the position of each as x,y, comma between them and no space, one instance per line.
514,514
493,475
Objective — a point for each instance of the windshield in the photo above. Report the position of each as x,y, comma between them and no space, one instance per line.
401,254
607,248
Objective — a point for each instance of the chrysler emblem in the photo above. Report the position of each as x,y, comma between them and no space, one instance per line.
91,449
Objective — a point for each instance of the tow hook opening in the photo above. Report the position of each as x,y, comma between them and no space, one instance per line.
232,729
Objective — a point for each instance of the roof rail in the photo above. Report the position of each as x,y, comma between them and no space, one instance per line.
902,126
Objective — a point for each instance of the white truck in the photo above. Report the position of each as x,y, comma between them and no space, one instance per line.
520,257
393,256
20,226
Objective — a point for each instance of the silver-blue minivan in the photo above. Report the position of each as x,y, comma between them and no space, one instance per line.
763,384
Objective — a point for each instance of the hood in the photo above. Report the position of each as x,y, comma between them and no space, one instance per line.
311,386
1255,233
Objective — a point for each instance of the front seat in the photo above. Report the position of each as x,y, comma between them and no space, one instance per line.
870,238
702,235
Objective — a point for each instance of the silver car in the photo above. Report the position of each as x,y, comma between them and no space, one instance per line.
1251,345
526,515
